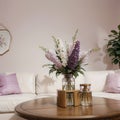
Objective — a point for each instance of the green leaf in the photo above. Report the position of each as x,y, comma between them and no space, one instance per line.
119,42
115,61
46,65
112,53
118,27
114,32
57,73
81,72
75,74
51,70
110,35
109,43
110,49
118,52
116,46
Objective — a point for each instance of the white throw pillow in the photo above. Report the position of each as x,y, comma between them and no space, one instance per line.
112,83
97,79
26,81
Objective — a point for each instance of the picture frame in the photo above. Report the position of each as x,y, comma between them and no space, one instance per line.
5,41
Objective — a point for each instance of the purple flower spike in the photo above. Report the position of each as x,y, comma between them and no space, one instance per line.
50,56
74,57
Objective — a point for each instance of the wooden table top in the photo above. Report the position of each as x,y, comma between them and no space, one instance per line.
46,109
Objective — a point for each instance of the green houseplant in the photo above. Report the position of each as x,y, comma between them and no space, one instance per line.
113,46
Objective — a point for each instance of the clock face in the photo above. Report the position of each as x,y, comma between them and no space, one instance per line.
5,40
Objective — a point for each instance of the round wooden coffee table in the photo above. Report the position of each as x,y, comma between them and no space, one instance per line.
46,109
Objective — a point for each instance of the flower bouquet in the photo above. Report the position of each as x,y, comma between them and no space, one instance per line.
66,58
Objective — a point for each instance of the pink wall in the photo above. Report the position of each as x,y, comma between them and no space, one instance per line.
33,22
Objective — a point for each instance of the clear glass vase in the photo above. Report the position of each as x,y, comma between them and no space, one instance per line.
68,84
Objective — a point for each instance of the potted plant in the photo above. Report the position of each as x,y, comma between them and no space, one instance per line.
113,46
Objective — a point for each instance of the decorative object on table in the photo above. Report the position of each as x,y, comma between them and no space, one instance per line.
68,85
113,46
5,40
68,82
85,95
68,98
67,60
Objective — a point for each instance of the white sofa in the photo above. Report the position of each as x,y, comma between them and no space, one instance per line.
34,86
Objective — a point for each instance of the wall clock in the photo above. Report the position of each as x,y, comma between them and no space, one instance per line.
5,40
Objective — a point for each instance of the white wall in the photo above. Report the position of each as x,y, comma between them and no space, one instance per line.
33,22
118,14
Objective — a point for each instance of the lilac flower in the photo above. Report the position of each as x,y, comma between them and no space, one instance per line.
74,57
51,56
61,51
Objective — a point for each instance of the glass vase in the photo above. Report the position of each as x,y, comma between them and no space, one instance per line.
68,84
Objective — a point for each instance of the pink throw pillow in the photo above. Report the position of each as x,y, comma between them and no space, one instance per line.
112,83
9,84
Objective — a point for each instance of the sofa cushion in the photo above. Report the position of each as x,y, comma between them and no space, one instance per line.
9,84
112,83
97,79
26,81
8,102
50,84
